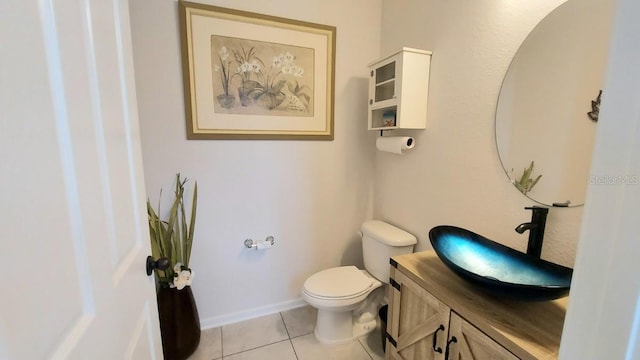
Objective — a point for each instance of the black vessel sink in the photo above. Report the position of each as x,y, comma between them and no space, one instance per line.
497,269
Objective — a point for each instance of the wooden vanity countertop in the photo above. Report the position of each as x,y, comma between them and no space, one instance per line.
530,330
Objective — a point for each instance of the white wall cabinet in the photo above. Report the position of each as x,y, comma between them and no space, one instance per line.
398,90
435,315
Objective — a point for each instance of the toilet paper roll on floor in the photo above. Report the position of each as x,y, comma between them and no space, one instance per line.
395,144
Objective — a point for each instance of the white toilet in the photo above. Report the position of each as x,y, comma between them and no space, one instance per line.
344,296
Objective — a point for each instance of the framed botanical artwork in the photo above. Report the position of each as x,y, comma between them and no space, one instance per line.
253,76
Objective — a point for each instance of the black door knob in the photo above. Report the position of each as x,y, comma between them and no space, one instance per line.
160,264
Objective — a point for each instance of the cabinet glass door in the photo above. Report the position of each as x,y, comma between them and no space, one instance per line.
385,82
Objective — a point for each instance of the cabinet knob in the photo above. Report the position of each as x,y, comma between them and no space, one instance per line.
370,102
371,73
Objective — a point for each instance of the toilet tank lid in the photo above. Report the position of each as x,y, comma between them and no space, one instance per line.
387,233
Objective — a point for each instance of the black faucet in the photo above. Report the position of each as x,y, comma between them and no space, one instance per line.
536,229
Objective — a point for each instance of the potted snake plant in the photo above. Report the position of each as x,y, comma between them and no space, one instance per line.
171,243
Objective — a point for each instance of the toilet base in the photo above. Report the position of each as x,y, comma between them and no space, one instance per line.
334,328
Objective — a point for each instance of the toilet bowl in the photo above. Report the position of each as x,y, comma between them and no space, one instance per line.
336,292
348,298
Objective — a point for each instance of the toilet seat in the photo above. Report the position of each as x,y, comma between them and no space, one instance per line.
339,283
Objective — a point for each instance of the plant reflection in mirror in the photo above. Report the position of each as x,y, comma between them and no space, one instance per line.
526,182
595,108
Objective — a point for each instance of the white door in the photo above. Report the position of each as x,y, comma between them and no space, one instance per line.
73,229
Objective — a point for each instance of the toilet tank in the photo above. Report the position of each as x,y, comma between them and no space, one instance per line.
380,241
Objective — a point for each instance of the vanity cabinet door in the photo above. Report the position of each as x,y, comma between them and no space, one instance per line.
415,319
473,344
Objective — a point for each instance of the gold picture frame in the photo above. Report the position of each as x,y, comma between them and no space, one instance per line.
253,76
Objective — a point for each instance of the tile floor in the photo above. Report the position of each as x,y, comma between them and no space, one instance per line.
283,336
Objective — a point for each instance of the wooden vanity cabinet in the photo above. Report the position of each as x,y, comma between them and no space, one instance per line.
421,327
430,307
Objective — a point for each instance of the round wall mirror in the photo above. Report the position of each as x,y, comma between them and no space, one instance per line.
548,105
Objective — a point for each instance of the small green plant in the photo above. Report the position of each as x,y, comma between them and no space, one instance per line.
526,183
173,238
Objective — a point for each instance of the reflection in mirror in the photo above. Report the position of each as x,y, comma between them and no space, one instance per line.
595,108
544,124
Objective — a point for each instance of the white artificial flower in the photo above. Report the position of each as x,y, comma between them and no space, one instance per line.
179,283
183,279
177,267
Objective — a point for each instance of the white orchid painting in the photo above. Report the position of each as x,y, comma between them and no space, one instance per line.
261,78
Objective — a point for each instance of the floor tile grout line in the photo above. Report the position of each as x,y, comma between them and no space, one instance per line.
301,335
285,325
257,347
289,335
295,353
221,344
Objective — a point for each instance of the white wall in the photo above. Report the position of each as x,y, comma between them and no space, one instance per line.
453,176
603,319
311,196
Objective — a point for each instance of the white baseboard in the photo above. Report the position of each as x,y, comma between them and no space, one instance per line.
221,320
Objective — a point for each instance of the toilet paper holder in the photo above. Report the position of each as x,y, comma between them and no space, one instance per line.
251,244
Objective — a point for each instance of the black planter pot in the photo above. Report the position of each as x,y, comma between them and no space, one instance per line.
179,322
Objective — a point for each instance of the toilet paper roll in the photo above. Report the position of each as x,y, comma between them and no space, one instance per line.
395,144
261,245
